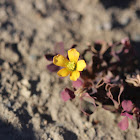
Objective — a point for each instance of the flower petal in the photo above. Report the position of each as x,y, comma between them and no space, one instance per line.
60,60
73,55
63,72
74,75
81,64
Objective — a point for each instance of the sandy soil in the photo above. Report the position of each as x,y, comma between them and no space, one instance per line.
30,103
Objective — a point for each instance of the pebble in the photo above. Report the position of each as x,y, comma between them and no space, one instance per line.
125,21
6,65
24,92
25,83
107,26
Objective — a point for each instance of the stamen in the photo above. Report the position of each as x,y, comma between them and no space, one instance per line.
71,66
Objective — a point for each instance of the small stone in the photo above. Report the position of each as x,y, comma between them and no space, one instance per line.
24,92
25,82
107,26
6,65
125,21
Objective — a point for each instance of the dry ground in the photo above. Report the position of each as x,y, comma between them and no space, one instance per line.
30,103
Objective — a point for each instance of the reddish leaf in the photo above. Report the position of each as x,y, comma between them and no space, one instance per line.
53,68
123,124
67,94
49,57
73,46
77,84
127,105
127,115
59,48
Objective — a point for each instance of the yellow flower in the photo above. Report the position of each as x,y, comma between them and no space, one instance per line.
71,66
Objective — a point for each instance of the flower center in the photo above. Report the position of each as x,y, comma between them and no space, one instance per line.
71,66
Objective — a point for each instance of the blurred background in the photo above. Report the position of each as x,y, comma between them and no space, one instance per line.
30,103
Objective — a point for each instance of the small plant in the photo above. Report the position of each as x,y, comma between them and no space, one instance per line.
107,76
